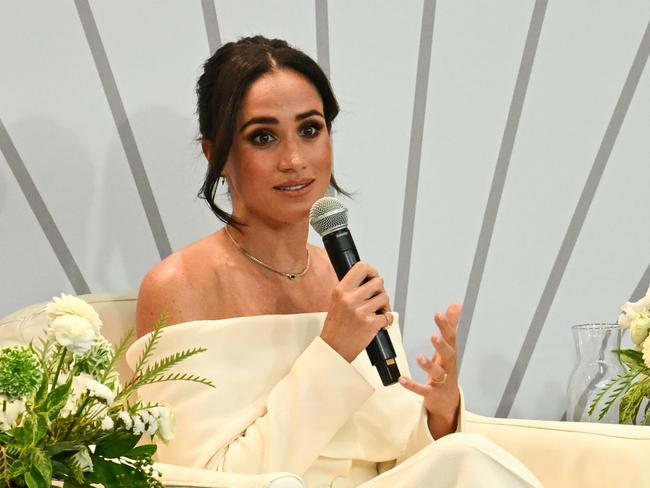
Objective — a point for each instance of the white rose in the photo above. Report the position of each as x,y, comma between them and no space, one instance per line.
8,416
73,332
71,305
82,460
639,328
631,310
165,418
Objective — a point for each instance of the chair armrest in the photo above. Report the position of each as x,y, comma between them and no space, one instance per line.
571,453
174,476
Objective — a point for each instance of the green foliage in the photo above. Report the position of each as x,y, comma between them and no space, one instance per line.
20,372
56,400
65,403
98,359
116,444
158,372
119,353
632,359
632,386
151,342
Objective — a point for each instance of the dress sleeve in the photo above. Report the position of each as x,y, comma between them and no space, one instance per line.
300,415
420,436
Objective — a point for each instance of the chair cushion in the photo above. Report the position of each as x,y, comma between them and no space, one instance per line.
117,312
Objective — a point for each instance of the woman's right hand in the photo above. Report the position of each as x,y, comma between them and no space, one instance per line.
352,320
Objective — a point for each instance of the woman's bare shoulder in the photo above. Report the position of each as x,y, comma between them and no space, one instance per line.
172,285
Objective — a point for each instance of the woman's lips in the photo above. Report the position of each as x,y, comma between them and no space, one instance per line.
295,188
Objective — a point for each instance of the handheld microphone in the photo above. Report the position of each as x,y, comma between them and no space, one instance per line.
329,217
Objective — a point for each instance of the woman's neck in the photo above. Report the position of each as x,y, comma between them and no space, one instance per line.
281,247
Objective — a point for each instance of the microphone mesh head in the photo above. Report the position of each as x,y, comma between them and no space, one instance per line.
328,215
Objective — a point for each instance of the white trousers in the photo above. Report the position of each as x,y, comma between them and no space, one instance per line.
458,461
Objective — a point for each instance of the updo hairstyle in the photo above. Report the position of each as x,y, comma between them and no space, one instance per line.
220,90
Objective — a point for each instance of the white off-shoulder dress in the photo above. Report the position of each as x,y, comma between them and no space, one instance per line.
286,401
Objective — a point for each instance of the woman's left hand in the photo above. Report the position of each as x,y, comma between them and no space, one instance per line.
440,392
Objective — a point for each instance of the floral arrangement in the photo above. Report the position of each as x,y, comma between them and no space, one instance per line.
633,386
64,414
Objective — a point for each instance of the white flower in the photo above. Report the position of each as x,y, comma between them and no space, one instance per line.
639,328
147,418
82,459
9,415
107,423
84,382
71,305
138,425
70,406
149,422
631,310
73,332
126,418
165,420
72,402
101,391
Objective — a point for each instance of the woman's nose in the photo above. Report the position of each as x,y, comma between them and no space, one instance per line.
290,159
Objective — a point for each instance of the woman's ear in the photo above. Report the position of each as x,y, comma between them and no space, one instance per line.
206,146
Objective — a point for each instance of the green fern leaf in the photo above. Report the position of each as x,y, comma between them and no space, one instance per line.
624,381
151,343
118,354
153,372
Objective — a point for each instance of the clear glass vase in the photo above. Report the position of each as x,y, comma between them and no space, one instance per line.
597,364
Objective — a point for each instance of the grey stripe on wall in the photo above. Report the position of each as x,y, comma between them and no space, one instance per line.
499,178
123,127
642,287
322,36
575,226
42,214
211,25
415,153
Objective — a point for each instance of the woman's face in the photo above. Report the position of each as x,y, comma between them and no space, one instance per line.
280,161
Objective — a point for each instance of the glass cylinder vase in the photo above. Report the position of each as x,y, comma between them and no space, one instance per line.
597,364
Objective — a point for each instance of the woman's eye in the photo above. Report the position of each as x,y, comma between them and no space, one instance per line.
310,131
262,138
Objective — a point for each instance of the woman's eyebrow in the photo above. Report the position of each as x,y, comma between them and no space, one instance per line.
309,114
259,120
273,120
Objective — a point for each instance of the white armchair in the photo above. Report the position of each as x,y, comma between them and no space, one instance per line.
560,454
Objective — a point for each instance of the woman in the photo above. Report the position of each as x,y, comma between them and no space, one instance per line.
265,114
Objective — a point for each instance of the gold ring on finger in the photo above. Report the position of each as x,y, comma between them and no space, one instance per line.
389,318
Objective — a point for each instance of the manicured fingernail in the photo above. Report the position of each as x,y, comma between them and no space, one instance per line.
403,380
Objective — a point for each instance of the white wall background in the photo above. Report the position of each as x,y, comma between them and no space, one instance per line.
468,174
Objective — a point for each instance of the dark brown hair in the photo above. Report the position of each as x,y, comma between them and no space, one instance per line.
226,77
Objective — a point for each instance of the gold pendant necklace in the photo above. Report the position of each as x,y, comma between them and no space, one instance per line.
290,276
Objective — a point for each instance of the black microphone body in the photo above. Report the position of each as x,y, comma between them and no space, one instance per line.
343,255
